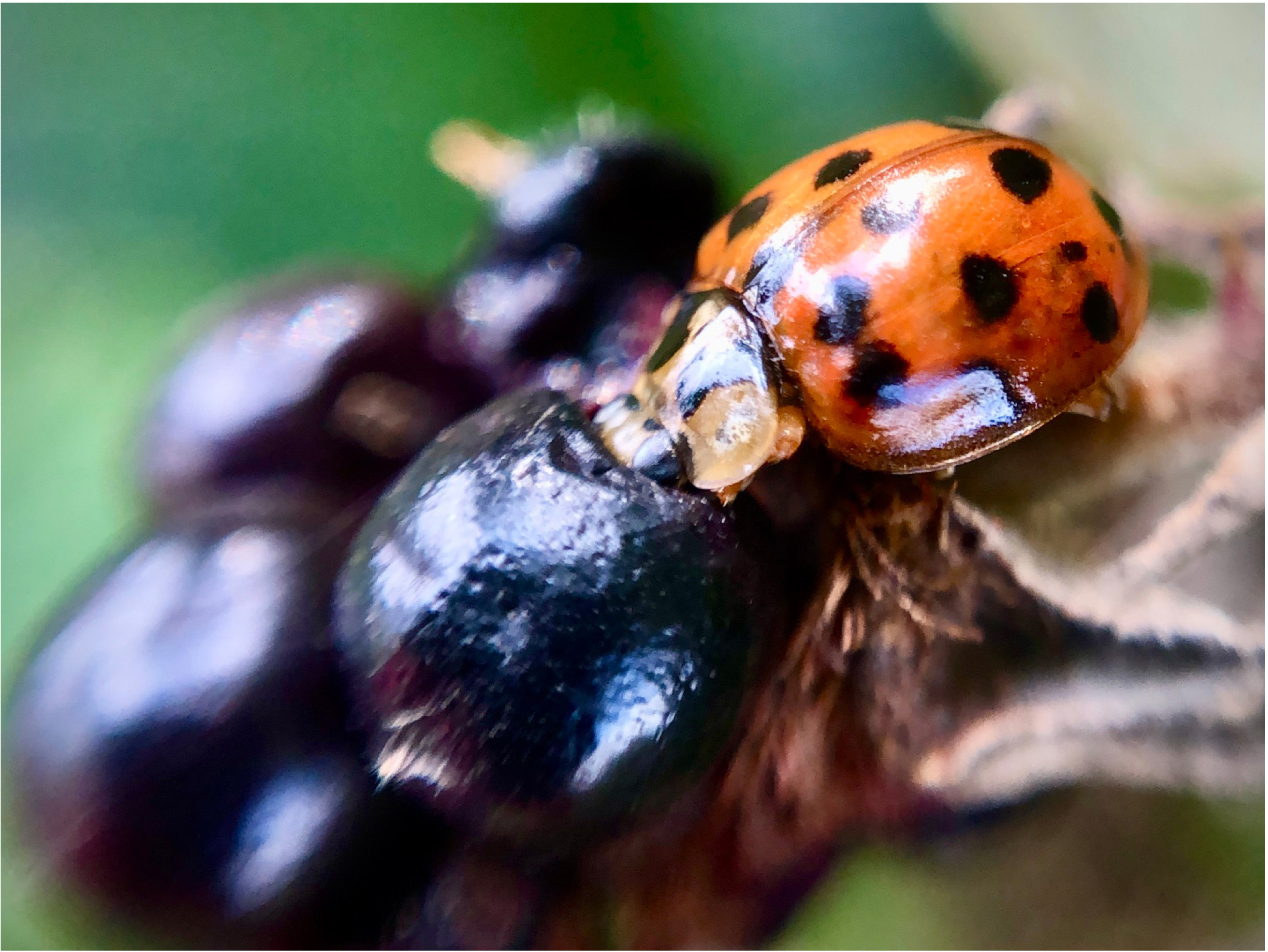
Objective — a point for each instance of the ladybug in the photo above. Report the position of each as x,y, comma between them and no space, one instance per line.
919,295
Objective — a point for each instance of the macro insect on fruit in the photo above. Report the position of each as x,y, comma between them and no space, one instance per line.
937,664
546,630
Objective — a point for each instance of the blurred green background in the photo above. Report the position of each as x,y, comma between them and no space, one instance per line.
153,154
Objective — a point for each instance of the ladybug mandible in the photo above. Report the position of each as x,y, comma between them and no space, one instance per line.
919,294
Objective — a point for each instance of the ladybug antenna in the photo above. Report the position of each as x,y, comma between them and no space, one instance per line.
477,156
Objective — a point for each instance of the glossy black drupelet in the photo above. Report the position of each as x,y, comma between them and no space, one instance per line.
633,202
544,642
321,384
180,748
584,249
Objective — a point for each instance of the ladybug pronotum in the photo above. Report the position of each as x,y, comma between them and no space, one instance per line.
922,293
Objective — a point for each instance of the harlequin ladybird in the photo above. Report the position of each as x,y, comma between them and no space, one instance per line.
924,293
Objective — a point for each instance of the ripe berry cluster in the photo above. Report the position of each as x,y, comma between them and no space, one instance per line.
348,656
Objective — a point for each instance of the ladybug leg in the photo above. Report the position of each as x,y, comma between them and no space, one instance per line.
791,431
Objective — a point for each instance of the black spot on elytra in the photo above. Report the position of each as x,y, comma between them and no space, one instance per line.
1021,172
676,333
888,215
1073,251
1108,213
841,321
1003,376
877,366
842,167
747,215
1099,313
651,426
990,285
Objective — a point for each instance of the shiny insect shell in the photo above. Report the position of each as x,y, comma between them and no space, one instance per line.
922,293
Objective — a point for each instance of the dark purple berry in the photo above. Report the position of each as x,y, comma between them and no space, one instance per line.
544,642
180,743
320,859
323,382
586,247
627,202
